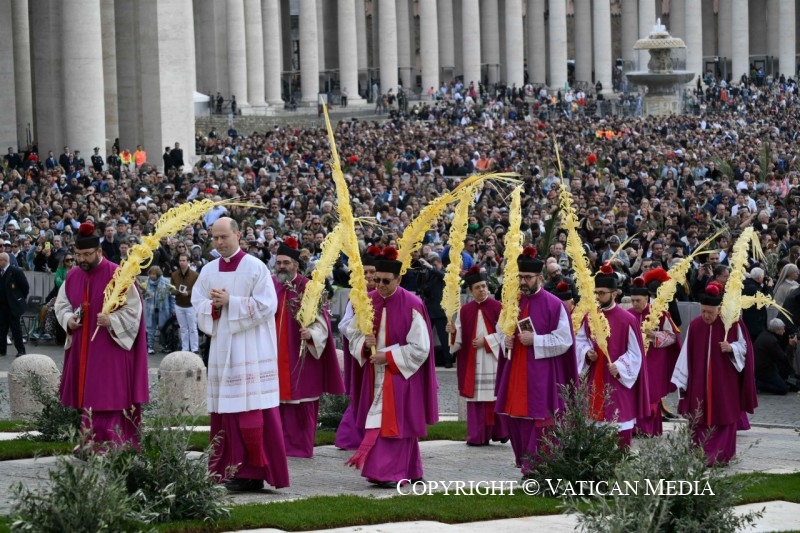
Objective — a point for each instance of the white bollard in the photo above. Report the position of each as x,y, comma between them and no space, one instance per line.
23,404
183,382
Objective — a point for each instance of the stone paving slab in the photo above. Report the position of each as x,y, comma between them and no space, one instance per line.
772,450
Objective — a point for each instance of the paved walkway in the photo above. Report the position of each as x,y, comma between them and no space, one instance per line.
771,446
771,450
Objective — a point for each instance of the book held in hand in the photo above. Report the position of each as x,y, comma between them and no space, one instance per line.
525,325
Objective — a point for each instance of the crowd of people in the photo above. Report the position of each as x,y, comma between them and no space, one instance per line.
647,193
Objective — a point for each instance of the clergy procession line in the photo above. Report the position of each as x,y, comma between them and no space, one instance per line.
272,351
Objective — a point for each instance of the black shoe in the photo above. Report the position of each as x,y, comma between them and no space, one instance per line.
448,365
666,414
504,440
383,484
240,484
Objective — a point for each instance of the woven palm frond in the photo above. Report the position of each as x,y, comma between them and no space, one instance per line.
451,295
731,308
312,295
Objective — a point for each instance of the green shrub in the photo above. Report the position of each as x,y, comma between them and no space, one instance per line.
175,484
673,457
331,409
577,448
79,497
56,422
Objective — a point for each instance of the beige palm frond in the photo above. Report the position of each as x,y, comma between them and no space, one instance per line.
513,248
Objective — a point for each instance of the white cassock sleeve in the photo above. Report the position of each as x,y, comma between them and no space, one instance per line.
410,357
355,340
739,349
459,335
582,345
629,363
680,376
319,335
665,337
349,315
556,342
125,320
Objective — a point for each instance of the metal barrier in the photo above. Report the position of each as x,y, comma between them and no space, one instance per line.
41,283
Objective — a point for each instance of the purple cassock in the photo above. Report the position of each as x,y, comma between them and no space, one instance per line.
302,379
101,375
409,404
714,387
483,425
630,397
528,393
349,433
661,361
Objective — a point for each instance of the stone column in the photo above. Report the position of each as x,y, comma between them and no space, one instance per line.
82,57
237,52
348,50
647,19
787,60
601,17
23,90
724,28
46,76
515,69
404,34
458,39
710,30
447,57
271,26
677,18
363,63
429,46
320,37
558,44
773,28
209,65
387,24
630,32
537,43
694,38
8,118
490,40
254,39
109,73
740,40
167,105
129,95
471,41
309,61
583,41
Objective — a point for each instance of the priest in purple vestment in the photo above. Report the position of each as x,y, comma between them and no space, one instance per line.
478,347
350,432
661,355
626,374
105,378
399,382
235,303
714,376
538,359
307,362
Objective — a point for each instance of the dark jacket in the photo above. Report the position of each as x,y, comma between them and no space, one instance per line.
770,357
15,290
755,319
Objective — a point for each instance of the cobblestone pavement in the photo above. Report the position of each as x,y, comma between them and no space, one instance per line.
772,410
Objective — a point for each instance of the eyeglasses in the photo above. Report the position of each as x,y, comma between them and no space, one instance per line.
384,281
68,260
87,255
601,293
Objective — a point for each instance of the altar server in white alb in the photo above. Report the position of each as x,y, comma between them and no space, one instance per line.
236,303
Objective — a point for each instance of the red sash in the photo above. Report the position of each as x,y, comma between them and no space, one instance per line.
517,400
597,392
284,362
84,345
389,425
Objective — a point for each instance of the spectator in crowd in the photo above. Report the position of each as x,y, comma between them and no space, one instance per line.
773,353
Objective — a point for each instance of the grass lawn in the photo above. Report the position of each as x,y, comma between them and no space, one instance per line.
22,449
339,511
